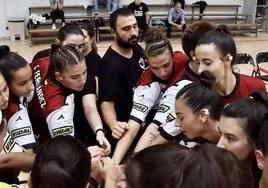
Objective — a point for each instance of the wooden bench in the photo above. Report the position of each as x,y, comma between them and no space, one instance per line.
43,31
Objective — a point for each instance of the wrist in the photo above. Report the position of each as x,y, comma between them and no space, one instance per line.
100,130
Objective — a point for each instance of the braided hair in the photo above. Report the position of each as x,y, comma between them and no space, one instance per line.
156,43
62,57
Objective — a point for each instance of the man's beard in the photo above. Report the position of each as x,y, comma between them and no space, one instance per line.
130,43
207,78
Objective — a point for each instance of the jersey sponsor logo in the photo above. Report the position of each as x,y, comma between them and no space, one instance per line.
8,145
38,86
138,13
170,118
163,108
140,107
21,132
62,131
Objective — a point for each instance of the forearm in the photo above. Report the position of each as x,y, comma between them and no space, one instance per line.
110,183
159,140
147,138
21,161
125,142
93,118
109,114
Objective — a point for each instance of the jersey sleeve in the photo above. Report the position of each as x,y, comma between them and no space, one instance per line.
9,145
145,97
60,121
166,109
20,129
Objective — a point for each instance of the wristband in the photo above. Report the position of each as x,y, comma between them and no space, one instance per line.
100,129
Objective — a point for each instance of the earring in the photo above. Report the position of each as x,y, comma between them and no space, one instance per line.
230,58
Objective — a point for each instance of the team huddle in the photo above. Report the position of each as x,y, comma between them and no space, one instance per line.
137,117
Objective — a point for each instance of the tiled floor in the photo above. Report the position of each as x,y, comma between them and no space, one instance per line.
245,44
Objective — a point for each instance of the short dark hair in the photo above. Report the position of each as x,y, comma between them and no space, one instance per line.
223,42
198,96
119,12
61,162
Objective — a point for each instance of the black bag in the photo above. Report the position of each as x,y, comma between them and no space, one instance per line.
98,21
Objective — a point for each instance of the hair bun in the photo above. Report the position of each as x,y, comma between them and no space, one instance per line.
153,35
4,50
223,29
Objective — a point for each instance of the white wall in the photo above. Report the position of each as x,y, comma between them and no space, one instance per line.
20,8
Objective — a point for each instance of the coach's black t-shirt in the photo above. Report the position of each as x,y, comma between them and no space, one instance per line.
139,12
93,62
119,76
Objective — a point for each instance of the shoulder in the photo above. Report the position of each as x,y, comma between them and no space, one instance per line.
179,57
54,97
41,54
254,83
12,109
138,50
146,77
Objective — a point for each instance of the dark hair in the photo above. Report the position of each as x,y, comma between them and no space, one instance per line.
198,96
209,167
193,33
251,111
174,166
262,142
68,29
156,43
222,41
11,62
150,167
61,162
4,50
119,12
89,27
63,56
223,28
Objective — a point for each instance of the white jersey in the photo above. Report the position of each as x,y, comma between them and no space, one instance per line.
60,121
145,98
166,116
18,123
